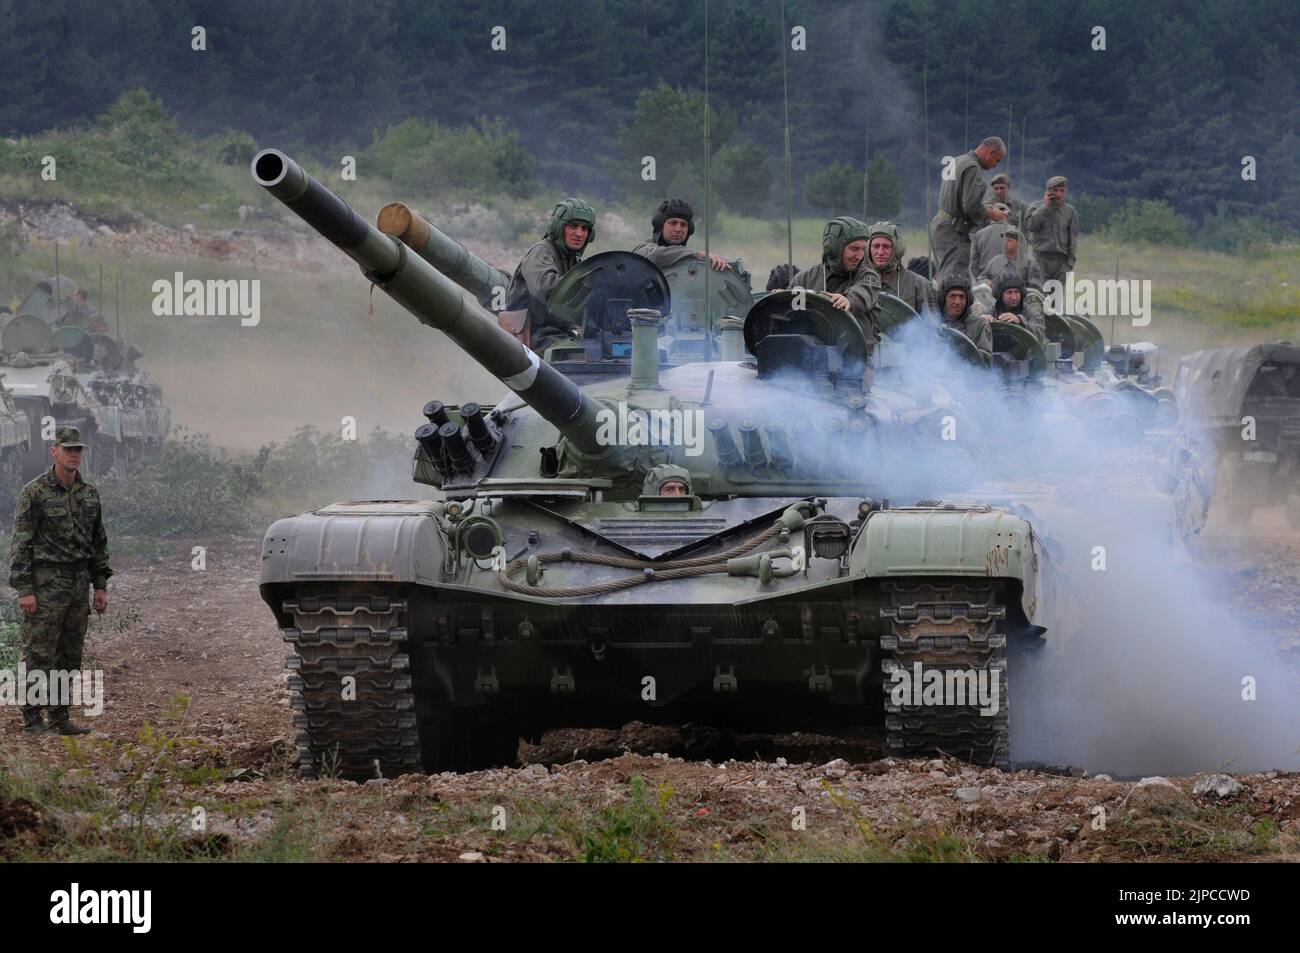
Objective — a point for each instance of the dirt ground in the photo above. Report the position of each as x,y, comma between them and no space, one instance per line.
138,787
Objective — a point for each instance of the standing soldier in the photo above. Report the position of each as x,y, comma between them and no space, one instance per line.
59,552
570,231
844,275
962,207
885,249
1015,257
1000,194
1053,227
673,224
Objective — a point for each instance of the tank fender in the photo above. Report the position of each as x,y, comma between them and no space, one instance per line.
374,542
950,541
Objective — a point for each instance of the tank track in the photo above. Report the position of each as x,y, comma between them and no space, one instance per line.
334,636
945,625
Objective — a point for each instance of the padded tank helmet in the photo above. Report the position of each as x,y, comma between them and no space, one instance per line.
665,473
891,231
673,208
838,233
571,211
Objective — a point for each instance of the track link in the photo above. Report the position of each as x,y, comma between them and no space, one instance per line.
365,728
948,627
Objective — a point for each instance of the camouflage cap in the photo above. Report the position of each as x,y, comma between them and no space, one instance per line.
68,437
1056,180
1000,177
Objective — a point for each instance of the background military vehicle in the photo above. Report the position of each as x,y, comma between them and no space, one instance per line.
1245,404
555,585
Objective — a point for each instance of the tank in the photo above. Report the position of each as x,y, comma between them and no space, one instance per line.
742,541
1244,404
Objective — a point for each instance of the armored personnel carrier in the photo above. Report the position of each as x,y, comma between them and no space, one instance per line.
1244,403
749,540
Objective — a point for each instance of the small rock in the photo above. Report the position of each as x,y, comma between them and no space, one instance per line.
1153,790
1102,777
205,207
968,795
782,763
472,857
377,782
1220,785
188,228
835,769
537,770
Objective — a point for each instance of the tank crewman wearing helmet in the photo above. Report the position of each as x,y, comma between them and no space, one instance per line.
885,251
778,279
1015,303
1053,227
844,275
1015,257
570,230
673,224
962,207
955,300
667,479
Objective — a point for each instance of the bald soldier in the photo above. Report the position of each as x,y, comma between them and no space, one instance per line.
844,275
672,226
962,208
885,249
1053,228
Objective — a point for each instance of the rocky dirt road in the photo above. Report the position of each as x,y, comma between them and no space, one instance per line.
211,775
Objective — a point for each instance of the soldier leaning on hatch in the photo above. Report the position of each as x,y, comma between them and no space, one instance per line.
844,275
1015,304
955,300
1053,227
673,224
570,230
962,207
59,551
885,251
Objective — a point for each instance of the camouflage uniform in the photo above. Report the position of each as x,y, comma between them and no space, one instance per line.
59,551
974,326
1054,231
541,269
961,208
862,288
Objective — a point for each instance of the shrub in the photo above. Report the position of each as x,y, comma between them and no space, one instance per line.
1149,220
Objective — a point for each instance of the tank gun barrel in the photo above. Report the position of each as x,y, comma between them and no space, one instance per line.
434,299
445,253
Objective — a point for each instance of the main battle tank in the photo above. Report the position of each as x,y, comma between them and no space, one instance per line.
754,541
553,586
1244,403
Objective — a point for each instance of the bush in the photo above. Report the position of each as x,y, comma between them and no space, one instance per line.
1149,220
743,178
189,492
1224,231
424,156
884,191
236,148
1095,211
834,190
312,468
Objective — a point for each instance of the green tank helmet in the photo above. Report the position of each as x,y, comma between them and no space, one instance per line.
568,212
894,233
838,233
663,477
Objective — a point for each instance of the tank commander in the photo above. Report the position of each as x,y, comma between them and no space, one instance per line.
956,299
673,224
886,249
962,207
571,229
1015,257
1053,227
1013,303
667,479
844,276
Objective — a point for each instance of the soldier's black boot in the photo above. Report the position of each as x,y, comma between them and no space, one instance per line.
62,724
33,720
